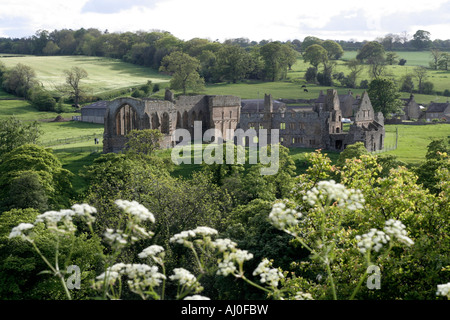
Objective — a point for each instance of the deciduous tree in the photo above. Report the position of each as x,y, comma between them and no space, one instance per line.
184,70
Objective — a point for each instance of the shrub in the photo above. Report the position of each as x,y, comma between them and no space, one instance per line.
42,100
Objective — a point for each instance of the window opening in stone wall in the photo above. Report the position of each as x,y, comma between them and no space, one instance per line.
126,120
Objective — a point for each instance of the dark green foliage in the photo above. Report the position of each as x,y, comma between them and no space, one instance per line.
42,100
14,133
42,163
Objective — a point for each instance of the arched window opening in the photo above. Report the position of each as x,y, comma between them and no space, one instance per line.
126,120
165,123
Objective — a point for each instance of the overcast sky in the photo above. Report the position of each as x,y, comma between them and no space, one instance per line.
224,19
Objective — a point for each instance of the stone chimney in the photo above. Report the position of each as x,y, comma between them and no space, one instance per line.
169,96
268,103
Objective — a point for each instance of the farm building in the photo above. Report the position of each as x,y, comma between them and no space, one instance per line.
411,109
438,111
95,112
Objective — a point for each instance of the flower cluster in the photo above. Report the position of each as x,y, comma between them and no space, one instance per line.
151,251
224,244
19,230
141,276
397,230
328,191
187,279
196,297
282,217
227,265
443,290
374,239
268,275
303,296
86,211
182,237
115,238
136,209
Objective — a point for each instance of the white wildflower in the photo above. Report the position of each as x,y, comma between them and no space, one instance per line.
205,231
224,244
227,265
143,276
182,237
185,278
283,218
374,239
85,210
443,290
115,238
331,191
151,251
19,230
268,275
303,296
196,297
136,209
57,221
397,230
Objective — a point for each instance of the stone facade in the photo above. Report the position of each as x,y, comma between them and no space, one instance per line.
320,126
126,114
317,126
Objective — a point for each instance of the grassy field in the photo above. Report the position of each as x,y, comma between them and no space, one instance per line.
104,74
414,139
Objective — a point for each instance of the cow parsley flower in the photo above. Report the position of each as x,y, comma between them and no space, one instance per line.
268,275
330,191
151,251
136,209
116,238
142,276
182,237
443,290
205,231
185,278
228,264
397,230
58,221
282,217
224,244
85,210
19,231
196,297
374,239
303,296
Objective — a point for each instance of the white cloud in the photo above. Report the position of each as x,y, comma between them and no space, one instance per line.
219,19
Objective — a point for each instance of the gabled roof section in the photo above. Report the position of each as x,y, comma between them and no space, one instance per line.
438,107
97,105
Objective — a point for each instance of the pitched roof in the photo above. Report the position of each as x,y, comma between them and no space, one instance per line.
97,105
255,105
438,107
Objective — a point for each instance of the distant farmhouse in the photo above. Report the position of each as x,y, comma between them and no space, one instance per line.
438,111
315,125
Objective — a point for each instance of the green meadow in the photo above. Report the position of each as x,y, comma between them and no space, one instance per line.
104,74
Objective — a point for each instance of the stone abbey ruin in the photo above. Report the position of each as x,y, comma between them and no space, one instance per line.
315,125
